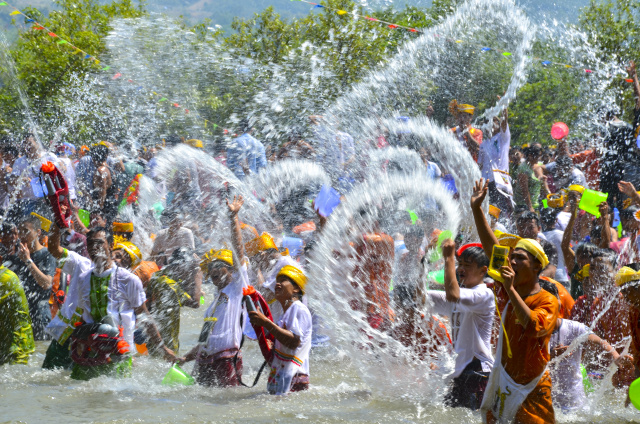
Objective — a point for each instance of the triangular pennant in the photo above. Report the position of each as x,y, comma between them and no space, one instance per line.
176,105
506,54
106,68
116,76
2,3
51,34
392,26
38,27
342,12
15,12
62,42
164,99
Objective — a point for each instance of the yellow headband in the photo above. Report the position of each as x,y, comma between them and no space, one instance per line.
533,247
132,250
494,211
123,227
222,255
260,244
455,108
195,143
509,240
625,275
583,273
294,274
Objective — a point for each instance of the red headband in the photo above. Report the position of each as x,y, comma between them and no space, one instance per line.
466,246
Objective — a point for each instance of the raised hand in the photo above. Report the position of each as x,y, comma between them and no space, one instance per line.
448,248
627,188
480,190
234,207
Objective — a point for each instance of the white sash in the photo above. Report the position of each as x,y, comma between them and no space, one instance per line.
503,396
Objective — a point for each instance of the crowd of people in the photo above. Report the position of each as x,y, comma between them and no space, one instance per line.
542,299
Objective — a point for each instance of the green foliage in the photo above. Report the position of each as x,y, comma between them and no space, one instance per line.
42,65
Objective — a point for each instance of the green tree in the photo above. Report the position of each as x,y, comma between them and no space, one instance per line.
43,66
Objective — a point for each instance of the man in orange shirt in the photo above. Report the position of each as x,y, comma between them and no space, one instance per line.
519,387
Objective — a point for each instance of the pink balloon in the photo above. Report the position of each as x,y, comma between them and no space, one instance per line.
559,130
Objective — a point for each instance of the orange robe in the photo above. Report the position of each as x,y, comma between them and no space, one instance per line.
145,270
530,354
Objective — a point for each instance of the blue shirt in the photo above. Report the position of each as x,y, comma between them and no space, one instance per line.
246,150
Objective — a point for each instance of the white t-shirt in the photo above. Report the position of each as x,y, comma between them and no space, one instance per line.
494,154
555,237
165,243
226,332
568,389
471,321
289,362
125,294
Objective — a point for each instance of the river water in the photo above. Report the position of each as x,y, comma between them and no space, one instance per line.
338,394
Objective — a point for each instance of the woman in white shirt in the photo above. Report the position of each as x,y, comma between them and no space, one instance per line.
292,333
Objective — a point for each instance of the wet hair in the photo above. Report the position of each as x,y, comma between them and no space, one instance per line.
172,140
95,231
529,215
180,256
99,153
608,255
244,125
534,150
629,212
33,221
586,249
7,228
550,287
475,255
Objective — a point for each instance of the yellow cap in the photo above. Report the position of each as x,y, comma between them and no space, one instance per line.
132,250
260,244
123,227
533,247
505,239
494,211
625,275
195,143
222,255
45,224
295,274
455,108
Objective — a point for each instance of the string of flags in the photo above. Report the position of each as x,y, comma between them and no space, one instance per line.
545,63
36,26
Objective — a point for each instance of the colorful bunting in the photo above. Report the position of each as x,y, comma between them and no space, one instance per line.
506,54
342,12
485,49
116,76
2,3
62,42
164,99
38,27
51,34
15,12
